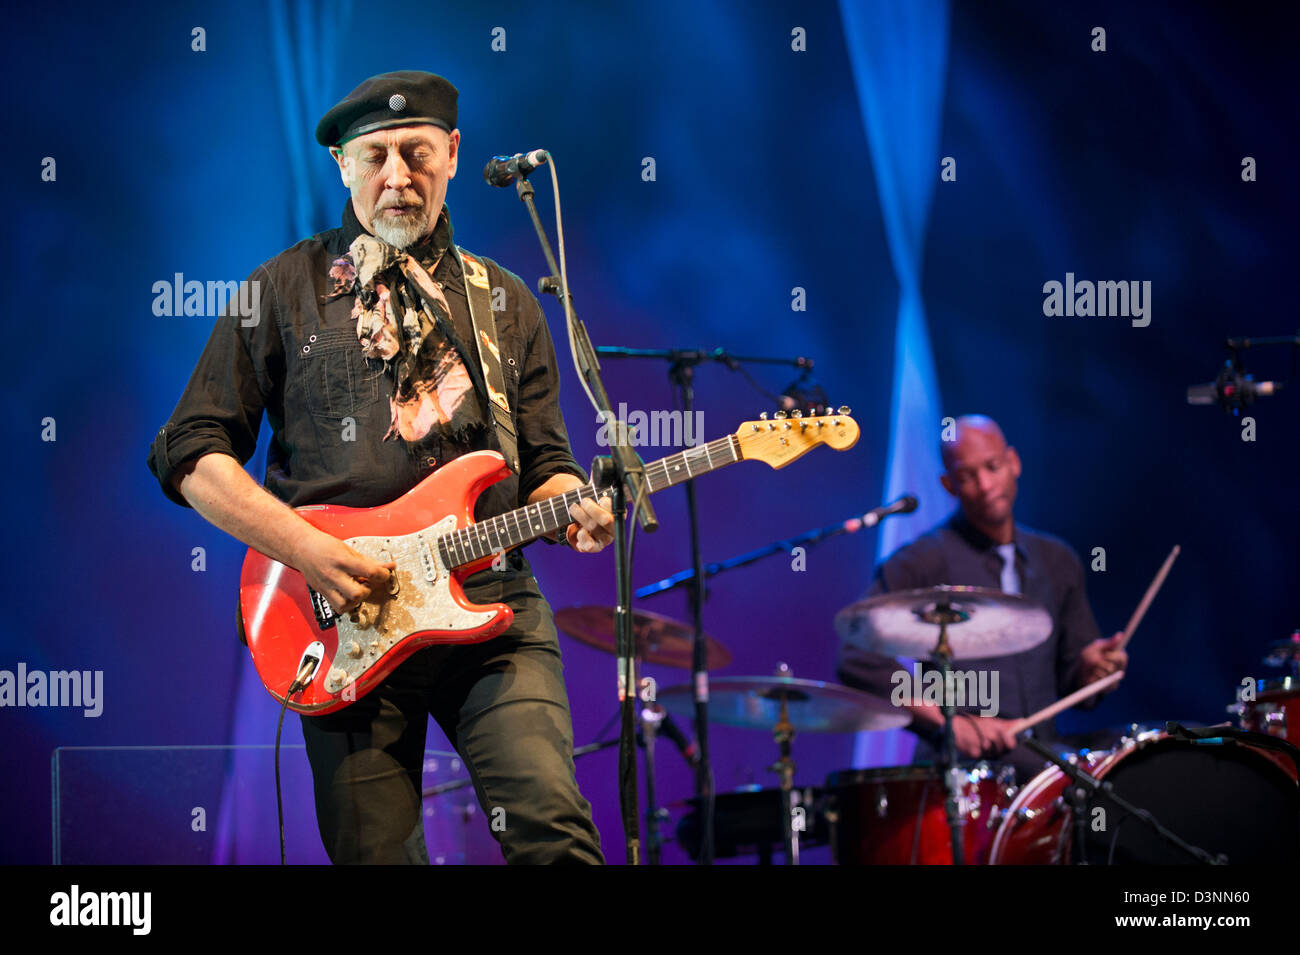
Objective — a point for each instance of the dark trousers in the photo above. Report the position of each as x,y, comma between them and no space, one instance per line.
501,703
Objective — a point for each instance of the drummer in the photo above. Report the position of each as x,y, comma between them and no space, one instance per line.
981,545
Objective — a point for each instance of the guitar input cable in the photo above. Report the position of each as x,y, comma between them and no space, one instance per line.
311,659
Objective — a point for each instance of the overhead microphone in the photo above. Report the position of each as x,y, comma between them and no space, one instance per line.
904,505
503,170
1232,390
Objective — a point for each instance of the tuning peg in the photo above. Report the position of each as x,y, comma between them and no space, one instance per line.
845,409
763,416
797,413
778,415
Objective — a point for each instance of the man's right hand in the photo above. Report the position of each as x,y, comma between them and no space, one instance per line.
982,736
338,573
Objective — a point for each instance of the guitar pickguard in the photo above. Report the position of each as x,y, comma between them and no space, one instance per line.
419,598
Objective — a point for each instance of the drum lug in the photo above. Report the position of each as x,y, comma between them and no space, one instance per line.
882,802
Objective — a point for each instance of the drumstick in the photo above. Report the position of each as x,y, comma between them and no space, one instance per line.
1065,702
1147,598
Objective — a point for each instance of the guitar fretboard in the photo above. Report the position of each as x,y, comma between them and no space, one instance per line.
513,528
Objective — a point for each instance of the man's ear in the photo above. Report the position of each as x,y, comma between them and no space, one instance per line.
1014,460
453,152
947,483
344,165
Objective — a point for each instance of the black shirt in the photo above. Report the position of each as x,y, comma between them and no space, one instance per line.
328,407
959,554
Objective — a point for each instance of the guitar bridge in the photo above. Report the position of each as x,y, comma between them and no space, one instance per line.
325,616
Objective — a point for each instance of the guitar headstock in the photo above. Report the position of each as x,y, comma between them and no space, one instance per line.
786,437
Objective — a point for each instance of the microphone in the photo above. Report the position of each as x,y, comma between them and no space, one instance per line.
503,170
668,728
1232,390
904,505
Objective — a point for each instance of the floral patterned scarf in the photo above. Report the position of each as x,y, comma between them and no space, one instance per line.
433,393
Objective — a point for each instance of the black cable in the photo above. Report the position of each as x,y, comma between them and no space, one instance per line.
1114,841
775,399
279,799
306,670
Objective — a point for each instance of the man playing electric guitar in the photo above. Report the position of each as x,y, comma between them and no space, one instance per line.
374,368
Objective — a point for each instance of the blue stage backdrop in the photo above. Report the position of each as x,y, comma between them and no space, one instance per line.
720,190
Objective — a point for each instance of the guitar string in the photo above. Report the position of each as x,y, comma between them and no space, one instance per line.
466,544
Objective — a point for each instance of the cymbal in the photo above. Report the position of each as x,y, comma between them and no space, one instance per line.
656,638
981,622
754,702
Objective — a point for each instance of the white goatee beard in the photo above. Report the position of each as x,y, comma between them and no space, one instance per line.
402,232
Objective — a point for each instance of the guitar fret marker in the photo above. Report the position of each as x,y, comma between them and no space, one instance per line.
476,541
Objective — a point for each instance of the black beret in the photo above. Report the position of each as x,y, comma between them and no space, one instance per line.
404,98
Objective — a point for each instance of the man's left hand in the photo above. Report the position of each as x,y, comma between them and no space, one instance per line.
1100,659
593,527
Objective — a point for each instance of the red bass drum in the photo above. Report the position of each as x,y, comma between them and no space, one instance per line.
1230,799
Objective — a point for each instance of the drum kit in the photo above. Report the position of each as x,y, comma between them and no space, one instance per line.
1170,795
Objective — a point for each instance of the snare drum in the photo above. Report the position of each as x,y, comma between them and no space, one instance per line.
1231,799
896,815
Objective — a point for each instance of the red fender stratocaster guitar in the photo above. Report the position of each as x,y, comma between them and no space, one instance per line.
430,533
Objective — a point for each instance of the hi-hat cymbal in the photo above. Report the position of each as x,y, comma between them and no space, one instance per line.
754,702
657,639
981,622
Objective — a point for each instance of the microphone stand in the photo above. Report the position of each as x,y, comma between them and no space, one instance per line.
624,472
681,372
1084,789
810,538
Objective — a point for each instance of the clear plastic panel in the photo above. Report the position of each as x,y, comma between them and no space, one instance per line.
200,805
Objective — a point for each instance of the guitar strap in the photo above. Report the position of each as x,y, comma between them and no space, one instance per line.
479,295
486,375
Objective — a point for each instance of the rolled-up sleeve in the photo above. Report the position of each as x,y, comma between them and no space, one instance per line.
544,449
221,408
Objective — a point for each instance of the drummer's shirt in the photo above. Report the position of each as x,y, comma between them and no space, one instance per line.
1046,570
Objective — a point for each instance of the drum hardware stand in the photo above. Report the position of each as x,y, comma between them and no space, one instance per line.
783,732
943,613
651,716
1084,789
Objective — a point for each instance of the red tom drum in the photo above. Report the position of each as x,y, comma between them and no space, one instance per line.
895,815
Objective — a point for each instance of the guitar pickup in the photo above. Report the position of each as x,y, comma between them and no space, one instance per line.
427,560
385,557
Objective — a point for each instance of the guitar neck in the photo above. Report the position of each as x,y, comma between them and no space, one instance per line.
513,528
